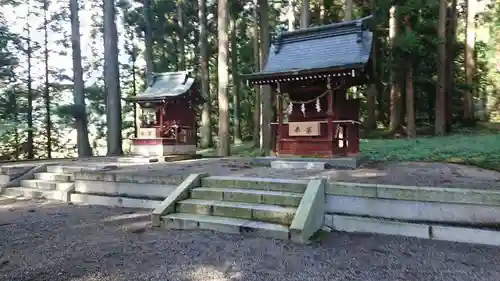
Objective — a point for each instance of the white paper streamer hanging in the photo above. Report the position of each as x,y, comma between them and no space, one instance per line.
318,105
290,108
303,109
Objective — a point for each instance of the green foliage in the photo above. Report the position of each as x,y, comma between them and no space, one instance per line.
478,150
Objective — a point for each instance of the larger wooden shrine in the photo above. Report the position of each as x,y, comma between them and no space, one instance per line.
168,115
310,71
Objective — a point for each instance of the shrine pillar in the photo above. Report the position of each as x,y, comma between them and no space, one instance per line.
279,99
329,112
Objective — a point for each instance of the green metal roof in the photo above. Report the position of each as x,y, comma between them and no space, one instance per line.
166,85
344,45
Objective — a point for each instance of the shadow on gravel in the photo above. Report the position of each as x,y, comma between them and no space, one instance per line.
72,243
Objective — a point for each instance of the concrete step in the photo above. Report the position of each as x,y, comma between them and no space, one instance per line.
256,212
298,186
31,193
224,224
126,218
59,177
280,198
114,201
64,169
312,165
45,185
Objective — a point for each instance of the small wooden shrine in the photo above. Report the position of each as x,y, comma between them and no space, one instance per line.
310,70
168,115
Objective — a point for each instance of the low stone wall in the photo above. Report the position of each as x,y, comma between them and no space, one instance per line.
418,230
130,177
156,187
414,203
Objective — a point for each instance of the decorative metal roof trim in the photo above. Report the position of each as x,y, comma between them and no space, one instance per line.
353,73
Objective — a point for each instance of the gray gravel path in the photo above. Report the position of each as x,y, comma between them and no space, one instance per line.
48,241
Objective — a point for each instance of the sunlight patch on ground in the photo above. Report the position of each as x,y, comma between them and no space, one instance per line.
228,273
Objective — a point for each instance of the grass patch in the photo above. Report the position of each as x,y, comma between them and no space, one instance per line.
477,150
244,149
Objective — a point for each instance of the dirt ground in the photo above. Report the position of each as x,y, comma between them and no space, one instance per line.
47,241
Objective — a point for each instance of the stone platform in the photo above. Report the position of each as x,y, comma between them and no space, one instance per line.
399,198
339,162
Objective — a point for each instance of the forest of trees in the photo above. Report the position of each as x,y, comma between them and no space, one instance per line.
436,67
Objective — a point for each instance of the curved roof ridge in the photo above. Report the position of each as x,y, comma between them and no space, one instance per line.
350,23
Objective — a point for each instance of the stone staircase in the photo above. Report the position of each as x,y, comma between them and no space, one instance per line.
264,207
49,184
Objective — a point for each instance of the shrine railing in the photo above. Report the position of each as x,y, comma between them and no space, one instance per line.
170,135
180,134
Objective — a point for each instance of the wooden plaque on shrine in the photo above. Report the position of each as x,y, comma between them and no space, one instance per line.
147,133
296,129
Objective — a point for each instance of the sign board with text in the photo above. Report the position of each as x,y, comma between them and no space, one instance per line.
147,133
301,129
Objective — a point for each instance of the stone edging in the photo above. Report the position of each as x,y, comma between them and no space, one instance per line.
309,215
418,230
128,177
415,193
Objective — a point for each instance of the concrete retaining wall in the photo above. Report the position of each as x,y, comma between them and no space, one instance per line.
114,201
416,193
124,189
413,210
129,177
425,231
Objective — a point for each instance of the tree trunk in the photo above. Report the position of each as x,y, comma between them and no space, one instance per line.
410,104
291,15
111,80
234,77
266,100
305,14
83,143
180,22
223,75
321,11
137,108
256,55
372,93
29,144
440,120
450,62
206,121
46,96
470,63
395,95
148,56
148,36
348,10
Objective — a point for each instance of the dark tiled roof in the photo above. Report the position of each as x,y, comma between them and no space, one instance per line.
343,45
166,85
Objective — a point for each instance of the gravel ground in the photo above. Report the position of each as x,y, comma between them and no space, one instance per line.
54,241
